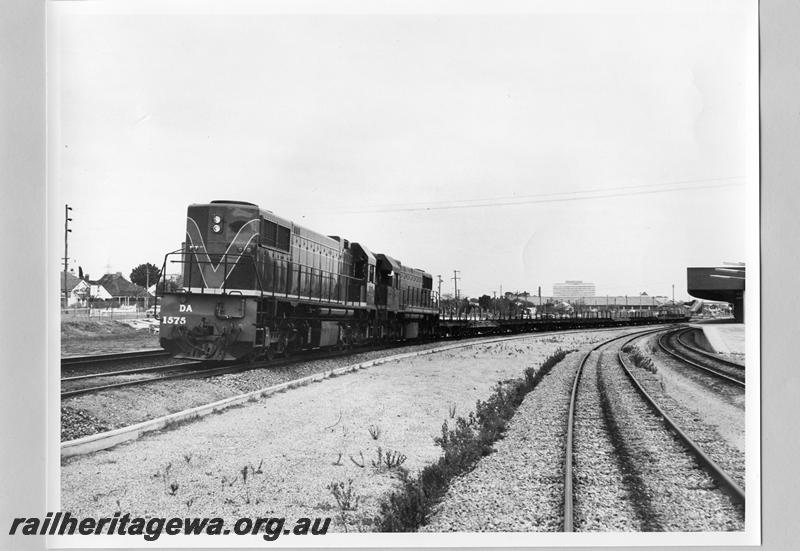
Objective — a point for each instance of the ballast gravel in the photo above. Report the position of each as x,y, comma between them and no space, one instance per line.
710,411
674,493
519,488
605,498
293,445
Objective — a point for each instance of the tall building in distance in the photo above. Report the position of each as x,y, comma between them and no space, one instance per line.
573,289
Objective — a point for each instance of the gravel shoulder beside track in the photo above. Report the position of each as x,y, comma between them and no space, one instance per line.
127,406
297,437
519,488
711,412
680,496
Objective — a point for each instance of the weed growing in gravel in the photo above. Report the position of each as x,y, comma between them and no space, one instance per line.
187,457
346,498
170,484
374,431
356,463
640,359
244,483
472,437
388,460
338,460
451,409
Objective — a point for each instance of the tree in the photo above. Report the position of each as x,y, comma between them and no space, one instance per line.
145,275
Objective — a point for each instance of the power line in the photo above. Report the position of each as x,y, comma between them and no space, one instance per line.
582,195
535,195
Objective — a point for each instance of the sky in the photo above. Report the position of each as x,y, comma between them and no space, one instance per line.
525,149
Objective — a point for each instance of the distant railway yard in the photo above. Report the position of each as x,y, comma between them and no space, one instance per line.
637,428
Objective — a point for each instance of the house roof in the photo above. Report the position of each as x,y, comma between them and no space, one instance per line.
72,281
118,286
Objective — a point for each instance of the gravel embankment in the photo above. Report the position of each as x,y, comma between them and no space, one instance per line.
710,411
113,409
519,488
296,443
676,494
84,337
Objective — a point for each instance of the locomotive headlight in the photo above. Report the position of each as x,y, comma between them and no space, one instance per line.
216,228
217,219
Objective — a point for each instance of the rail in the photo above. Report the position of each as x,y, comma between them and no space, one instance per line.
569,501
714,372
722,478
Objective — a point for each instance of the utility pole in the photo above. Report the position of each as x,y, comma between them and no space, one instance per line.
67,231
673,293
455,281
439,298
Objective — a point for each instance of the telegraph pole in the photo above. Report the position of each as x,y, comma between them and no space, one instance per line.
67,231
455,281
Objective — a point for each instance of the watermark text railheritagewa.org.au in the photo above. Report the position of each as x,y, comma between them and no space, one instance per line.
63,523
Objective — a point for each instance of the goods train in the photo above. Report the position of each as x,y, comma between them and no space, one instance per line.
255,285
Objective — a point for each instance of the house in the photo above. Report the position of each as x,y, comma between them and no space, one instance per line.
118,289
77,290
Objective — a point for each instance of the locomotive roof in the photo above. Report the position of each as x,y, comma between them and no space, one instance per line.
397,266
369,254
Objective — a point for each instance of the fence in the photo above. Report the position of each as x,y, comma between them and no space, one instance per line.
75,314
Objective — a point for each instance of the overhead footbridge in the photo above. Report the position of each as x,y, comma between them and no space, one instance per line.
723,284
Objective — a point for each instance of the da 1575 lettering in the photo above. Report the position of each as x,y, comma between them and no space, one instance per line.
173,320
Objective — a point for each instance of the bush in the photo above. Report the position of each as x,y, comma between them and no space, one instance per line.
640,360
463,446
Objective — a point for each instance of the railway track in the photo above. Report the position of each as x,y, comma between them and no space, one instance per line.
629,466
671,343
79,362
185,371
188,370
697,350
180,374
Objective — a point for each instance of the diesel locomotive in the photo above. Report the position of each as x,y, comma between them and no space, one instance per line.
256,285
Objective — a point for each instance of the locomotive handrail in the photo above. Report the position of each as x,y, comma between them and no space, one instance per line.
289,279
